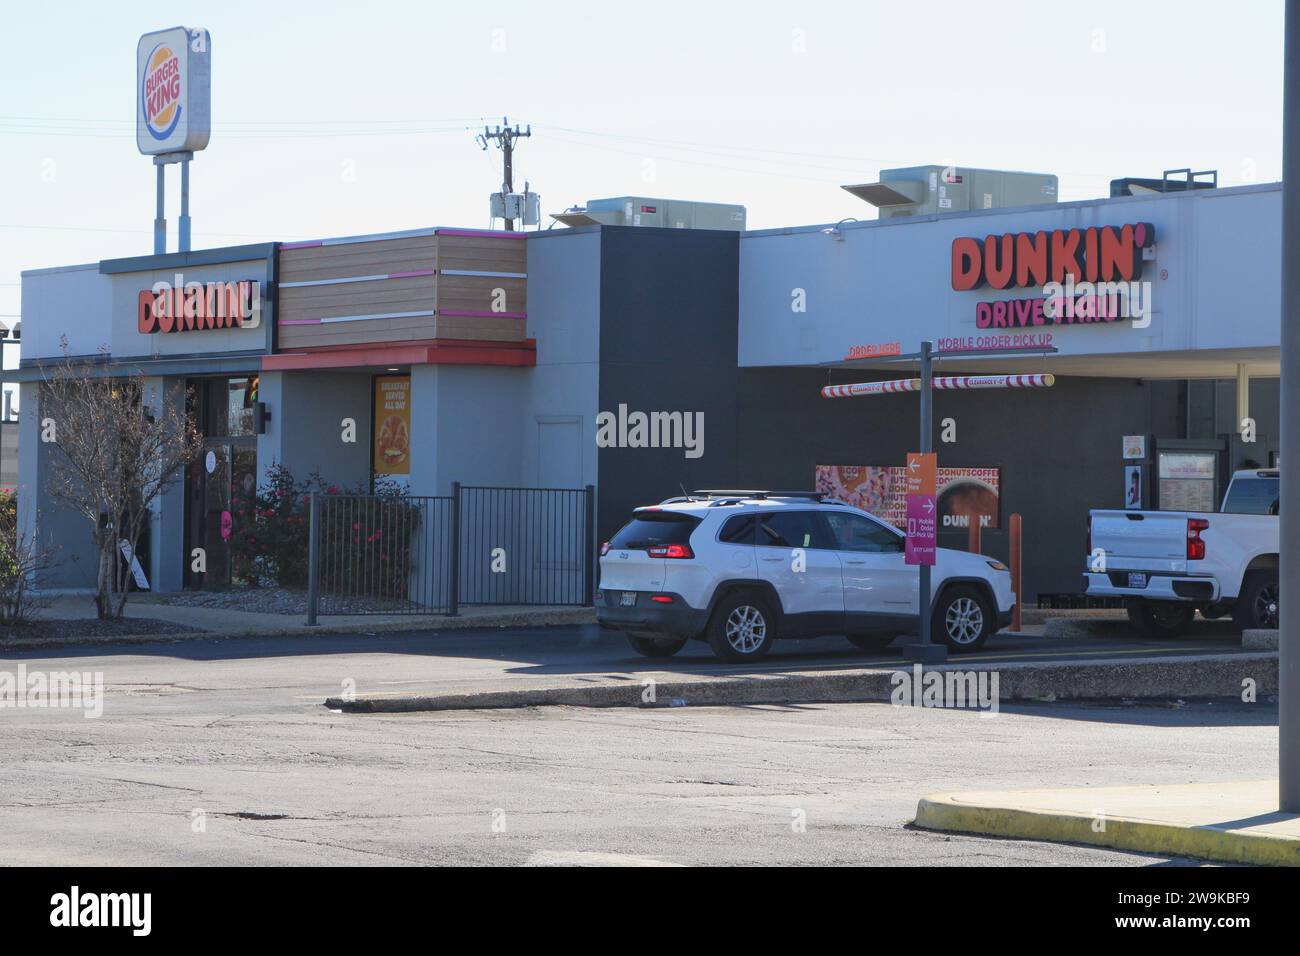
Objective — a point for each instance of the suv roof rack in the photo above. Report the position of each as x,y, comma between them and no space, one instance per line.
755,493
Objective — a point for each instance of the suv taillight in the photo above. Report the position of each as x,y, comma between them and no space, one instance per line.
670,551
604,549
1195,546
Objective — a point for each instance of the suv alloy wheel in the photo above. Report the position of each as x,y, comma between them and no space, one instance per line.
742,628
962,618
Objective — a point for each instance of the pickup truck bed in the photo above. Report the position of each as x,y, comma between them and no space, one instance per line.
1169,564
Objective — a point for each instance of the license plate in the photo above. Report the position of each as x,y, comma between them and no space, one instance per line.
628,599
1137,579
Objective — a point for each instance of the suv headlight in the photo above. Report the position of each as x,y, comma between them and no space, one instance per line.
996,565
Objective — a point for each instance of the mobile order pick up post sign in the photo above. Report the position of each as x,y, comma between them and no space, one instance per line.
922,508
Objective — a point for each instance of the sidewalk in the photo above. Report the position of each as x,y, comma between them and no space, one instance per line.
216,622
1235,822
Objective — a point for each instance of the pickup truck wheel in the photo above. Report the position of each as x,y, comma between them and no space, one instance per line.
871,642
648,646
1160,619
742,628
1257,604
962,618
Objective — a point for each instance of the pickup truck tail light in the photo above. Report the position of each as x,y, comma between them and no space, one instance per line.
670,551
1196,546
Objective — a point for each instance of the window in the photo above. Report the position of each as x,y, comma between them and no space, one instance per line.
654,528
855,533
739,529
1253,496
794,529
226,406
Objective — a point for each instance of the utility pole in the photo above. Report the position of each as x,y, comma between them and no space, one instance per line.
505,137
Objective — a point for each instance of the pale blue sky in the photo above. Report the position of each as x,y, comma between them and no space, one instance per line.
769,104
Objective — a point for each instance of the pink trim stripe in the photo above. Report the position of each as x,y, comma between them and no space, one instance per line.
476,314
481,233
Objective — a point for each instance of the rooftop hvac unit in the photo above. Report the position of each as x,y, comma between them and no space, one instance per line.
936,190
664,213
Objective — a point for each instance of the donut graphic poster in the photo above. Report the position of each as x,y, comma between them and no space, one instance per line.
964,494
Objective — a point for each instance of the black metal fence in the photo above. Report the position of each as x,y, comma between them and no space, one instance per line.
481,545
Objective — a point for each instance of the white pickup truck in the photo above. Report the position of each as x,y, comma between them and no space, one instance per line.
1170,564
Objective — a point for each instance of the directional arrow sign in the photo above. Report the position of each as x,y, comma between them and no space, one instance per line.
921,530
922,472
922,527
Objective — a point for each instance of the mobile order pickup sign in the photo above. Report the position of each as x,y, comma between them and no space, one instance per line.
922,510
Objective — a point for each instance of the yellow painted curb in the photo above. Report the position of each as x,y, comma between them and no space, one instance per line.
942,812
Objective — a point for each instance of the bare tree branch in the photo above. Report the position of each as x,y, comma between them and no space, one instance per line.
118,445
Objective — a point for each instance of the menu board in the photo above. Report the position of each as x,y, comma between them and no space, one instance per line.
392,425
1187,480
964,494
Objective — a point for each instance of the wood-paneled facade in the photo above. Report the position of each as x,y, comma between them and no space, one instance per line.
436,286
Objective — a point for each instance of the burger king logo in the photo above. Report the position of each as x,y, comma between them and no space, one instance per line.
160,92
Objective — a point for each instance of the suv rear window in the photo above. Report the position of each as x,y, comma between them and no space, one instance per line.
1253,496
654,528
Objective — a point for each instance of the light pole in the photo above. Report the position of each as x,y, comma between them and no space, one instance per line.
1288,663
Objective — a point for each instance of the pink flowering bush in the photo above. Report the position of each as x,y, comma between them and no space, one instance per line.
363,553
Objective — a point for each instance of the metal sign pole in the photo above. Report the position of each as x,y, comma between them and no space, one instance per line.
928,652
185,206
160,217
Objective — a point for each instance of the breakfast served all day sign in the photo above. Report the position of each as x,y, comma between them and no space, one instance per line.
393,425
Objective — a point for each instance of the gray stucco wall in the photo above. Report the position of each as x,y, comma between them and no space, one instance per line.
306,428
561,393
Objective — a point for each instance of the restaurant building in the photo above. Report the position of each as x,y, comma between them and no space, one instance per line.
643,360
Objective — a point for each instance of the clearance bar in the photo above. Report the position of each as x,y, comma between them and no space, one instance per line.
941,383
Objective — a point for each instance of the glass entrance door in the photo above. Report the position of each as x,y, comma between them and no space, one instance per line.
224,473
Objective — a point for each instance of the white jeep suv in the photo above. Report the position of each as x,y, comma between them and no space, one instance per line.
741,568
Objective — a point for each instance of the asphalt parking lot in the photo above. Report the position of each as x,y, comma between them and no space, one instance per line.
220,752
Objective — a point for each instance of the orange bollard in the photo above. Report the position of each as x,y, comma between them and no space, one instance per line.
1015,571
975,528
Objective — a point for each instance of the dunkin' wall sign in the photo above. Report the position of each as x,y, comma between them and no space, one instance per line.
196,306
1086,275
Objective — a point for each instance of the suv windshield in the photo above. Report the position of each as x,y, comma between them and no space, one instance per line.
654,528
1253,496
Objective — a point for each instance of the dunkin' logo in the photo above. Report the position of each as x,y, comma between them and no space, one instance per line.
195,306
1035,259
160,92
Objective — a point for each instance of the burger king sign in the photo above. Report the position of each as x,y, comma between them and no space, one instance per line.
173,73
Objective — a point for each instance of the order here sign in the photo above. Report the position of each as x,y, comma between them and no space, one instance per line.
922,509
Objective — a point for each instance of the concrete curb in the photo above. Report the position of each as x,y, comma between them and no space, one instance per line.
543,617
1211,675
945,812
1259,640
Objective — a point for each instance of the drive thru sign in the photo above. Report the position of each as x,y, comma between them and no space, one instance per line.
921,522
